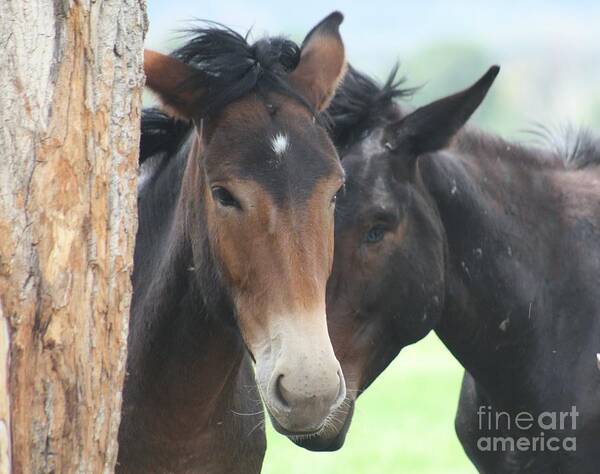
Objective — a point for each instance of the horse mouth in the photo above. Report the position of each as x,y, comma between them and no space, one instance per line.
295,434
330,437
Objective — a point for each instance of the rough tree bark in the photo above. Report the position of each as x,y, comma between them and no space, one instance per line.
70,84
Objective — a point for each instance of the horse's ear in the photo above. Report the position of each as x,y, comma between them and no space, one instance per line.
322,62
431,127
168,77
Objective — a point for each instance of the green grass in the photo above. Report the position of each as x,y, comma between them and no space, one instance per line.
402,424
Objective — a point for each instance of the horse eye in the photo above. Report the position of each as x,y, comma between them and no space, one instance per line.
375,234
224,197
335,196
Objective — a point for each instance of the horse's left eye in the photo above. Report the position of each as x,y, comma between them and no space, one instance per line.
375,234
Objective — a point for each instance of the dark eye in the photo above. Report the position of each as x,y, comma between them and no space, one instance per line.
339,191
375,234
224,197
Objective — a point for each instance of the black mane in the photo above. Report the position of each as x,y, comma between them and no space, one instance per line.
161,134
577,148
229,67
361,104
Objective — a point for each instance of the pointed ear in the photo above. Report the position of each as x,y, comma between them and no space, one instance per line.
322,63
167,77
432,127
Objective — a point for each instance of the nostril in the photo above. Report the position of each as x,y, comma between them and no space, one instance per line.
280,392
341,395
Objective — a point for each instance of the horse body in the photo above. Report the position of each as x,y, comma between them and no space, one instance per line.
491,244
521,310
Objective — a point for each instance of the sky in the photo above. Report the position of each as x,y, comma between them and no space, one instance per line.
391,28
549,50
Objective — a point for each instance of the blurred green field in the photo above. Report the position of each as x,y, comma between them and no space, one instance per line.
402,424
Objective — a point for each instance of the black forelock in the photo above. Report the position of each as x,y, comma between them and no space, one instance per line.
228,67
361,104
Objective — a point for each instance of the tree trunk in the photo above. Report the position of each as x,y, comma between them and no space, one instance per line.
70,83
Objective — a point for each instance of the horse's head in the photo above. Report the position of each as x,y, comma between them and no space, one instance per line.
260,187
387,287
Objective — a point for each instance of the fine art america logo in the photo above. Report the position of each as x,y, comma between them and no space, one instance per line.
538,432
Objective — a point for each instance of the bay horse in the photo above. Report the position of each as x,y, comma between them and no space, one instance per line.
233,251
495,245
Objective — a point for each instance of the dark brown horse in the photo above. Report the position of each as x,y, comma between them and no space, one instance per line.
234,248
494,245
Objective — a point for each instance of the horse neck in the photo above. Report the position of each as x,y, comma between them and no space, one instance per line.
177,335
499,212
